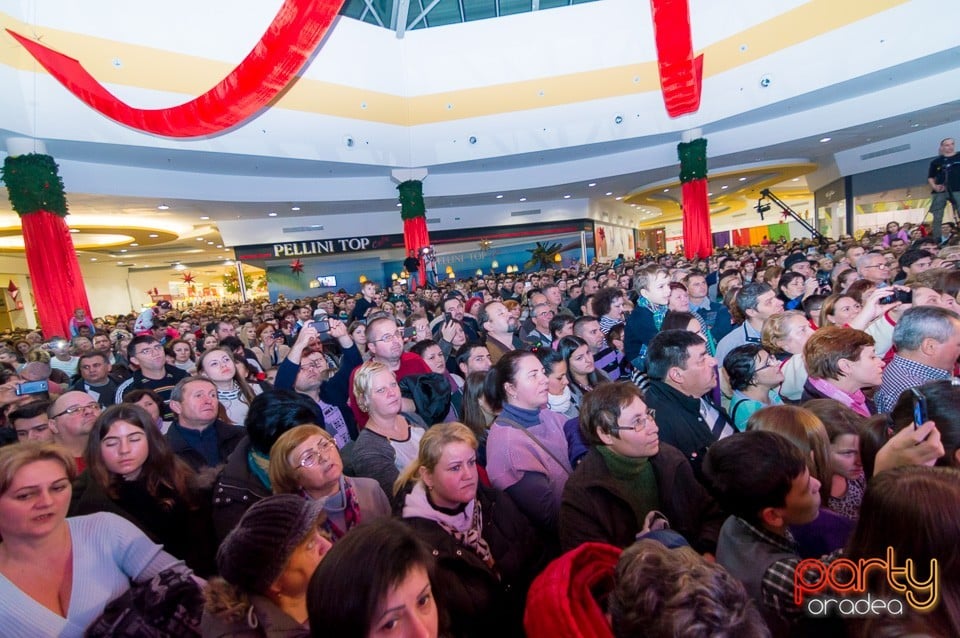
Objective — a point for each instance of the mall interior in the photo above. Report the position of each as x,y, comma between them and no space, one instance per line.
526,121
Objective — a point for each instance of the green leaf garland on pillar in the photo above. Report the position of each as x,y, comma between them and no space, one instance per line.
693,160
411,199
33,183
37,195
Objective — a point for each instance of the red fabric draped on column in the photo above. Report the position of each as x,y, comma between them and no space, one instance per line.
414,214
36,194
54,271
697,238
415,237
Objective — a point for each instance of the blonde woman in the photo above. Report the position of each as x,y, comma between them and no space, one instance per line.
391,438
305,461
487,551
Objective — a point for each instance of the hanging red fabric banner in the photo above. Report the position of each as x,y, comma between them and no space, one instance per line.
681,73
286,46
414,215
697,238
37,195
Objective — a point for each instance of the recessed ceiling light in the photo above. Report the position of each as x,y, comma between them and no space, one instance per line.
74,230
200,238
723,188
123,250
219,245
398,204
709,194
619,198
93,259
153,235
915,125
609,193
294,208
666,190
163,207
134,244
795,179
824,139
271,214
743,179
566,197
204,217
592,184
210,243
499,196
523,199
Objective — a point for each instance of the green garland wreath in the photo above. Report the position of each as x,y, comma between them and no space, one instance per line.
411,199
693,160
33,183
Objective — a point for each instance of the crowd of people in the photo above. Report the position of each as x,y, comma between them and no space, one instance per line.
653,447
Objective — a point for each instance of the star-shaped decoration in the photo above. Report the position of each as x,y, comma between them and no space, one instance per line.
296,267
188,278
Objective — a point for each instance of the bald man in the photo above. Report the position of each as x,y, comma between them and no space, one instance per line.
71,418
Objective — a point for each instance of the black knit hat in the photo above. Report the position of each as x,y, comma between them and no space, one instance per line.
793,259
254,553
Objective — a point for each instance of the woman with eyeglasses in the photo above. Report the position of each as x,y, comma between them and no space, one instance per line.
754,376
629,482
233,391
132,472
305,461
391,438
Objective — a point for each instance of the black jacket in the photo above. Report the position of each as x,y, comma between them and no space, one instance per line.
235,490
228,436
595,507
479,601
184,532
680,423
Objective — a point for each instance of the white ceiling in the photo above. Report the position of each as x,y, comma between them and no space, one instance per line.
868,84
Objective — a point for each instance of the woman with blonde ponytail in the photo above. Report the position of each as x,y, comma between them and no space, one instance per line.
487,551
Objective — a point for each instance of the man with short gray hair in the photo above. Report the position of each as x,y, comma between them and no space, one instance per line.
927,339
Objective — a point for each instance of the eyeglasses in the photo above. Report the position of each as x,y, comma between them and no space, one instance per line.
316,364
880,266
321,453
149,349
89,407
387,338
771,363
651,416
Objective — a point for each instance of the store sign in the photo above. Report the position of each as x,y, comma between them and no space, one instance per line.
321,247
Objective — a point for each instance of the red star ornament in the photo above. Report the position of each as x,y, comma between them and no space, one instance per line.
296,267
188,278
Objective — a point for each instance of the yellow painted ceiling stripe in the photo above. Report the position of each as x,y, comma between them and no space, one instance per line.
160,70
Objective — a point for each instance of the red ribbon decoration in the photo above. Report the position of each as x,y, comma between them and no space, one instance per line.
681,74
271,65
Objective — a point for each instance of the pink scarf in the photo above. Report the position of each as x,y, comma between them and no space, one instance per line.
856,401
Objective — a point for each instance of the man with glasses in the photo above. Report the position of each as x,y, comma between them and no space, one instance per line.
71,418
385,344
873,267
306,371
152,371
629,476
31,422
539,334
